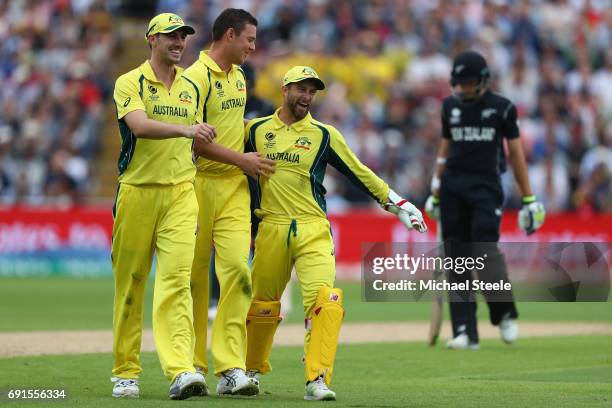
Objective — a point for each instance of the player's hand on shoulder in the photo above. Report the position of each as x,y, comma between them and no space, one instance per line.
531,215
407,213
255,165
202,131
432,207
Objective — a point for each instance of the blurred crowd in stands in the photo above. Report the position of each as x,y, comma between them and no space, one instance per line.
386,64
55,79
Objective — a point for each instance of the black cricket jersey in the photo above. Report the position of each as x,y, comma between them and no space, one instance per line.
475,132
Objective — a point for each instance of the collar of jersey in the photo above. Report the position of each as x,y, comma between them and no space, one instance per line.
297,126
210,63
147,71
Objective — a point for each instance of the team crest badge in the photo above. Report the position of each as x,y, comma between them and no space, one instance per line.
487,113
185,97
174,19
308,72
303,143
240,85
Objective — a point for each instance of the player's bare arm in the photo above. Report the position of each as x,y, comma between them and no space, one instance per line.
432,205
440,166
519,166
144,127
532,214
252,164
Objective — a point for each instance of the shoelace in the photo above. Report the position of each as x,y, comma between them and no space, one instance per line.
126,383
320,383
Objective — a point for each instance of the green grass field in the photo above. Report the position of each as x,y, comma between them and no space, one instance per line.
562,372
66,303
535,372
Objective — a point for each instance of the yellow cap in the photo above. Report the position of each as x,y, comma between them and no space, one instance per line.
166,23
300,73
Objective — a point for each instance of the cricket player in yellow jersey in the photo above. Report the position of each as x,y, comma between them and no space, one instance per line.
156,212
223,197
294,229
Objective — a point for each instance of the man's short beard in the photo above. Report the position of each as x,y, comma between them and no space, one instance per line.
295,113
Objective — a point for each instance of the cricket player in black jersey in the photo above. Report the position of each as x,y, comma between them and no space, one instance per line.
467,197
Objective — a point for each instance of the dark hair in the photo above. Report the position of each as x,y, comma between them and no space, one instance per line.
232,18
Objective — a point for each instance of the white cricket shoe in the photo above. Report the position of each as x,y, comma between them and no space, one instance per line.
508,329
125,387
200,370
317,391
253,375
462,342
236,382
187,385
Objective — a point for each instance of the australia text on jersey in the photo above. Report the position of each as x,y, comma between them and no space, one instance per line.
169,110
232,103
284,156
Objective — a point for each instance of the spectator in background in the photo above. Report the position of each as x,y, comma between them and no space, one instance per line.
520,85
601,84
255,105
316,29
6,184
594,193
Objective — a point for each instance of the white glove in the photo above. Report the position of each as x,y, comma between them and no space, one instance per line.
531,216
432,207
407,213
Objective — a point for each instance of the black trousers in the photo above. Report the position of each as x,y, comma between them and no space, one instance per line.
470,213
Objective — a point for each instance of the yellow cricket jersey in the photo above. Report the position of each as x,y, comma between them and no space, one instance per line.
302,152
221,100
147,161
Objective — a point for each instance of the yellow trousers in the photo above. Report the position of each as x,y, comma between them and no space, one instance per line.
224,221
281,244
148,220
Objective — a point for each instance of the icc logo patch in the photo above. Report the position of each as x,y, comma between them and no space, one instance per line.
455,116
219,88
303,143
153,92
270,140
334,297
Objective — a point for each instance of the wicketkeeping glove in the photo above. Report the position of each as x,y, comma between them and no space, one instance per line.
531,215
432,207
407,213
